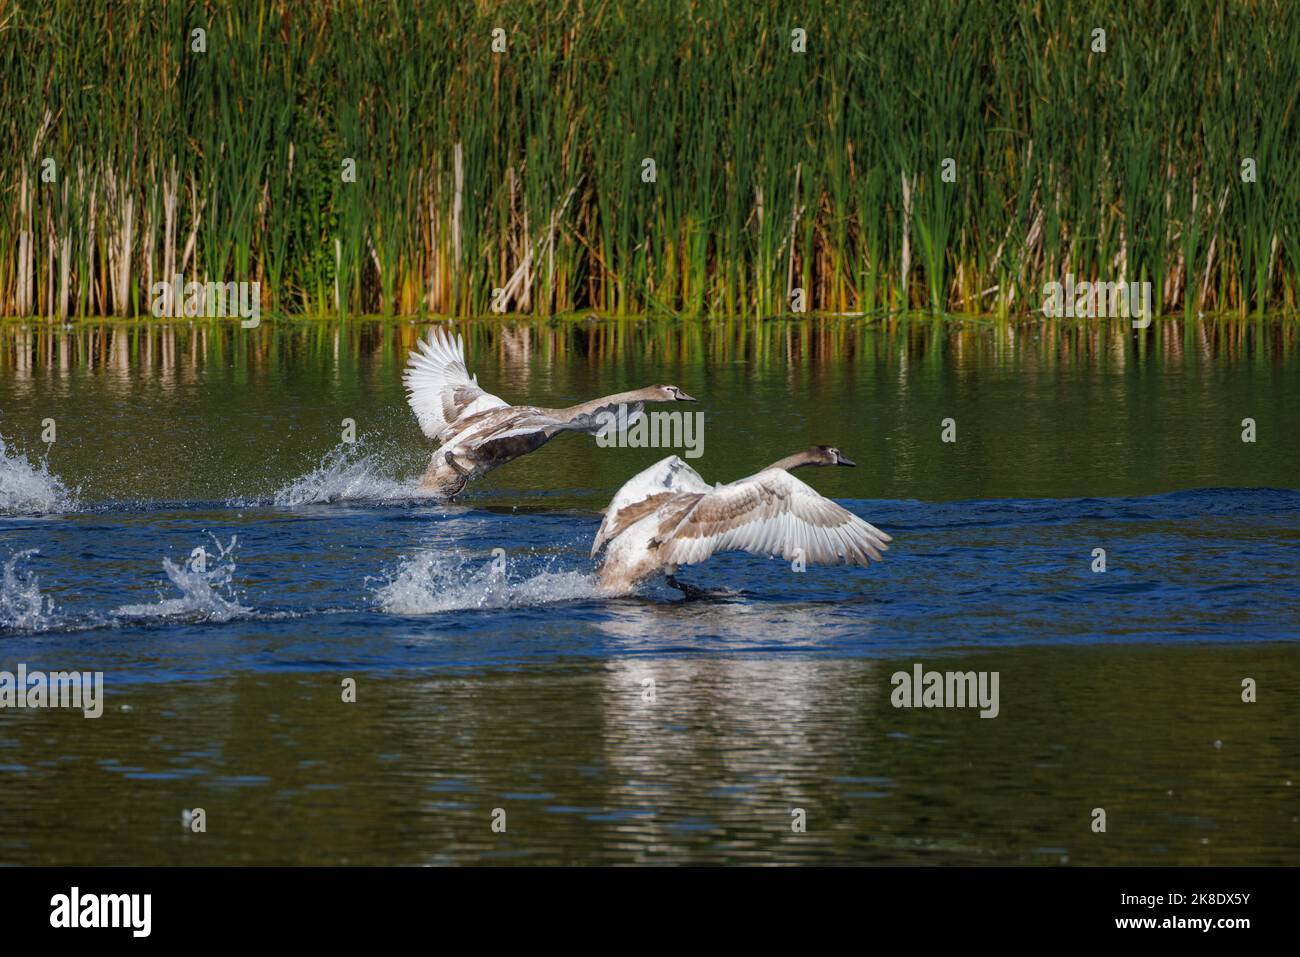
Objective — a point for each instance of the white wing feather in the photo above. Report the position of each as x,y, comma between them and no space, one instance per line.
772,513
666,475
440,388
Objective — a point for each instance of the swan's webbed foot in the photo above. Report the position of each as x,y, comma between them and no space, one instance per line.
690,591
452,492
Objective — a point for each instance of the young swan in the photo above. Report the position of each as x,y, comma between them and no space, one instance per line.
479,431
668,516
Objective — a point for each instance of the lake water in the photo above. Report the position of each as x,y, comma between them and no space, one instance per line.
489,675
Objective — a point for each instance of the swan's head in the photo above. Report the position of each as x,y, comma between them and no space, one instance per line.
668,393
829,455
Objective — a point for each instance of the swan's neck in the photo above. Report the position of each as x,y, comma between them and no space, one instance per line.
791,462
606,402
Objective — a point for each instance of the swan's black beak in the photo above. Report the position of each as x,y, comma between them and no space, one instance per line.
683,397
841,460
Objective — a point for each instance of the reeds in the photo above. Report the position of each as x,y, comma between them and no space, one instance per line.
517,180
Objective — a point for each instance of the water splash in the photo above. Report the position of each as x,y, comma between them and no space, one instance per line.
347,473
28,489
204,582
433,581
22,606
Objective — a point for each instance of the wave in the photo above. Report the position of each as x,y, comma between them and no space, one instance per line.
22,606
347,473
433,581
206,590
30,489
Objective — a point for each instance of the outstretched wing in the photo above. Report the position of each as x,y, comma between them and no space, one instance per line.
440,388
771,513
644,492
509,434
600,415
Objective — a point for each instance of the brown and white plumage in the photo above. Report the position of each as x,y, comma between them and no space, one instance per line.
478,431
439,387
667,516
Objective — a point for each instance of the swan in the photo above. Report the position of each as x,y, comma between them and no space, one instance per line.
668,516
478,431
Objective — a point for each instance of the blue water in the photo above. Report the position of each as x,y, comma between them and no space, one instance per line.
393,585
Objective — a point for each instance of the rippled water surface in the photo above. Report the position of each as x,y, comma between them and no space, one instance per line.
489,675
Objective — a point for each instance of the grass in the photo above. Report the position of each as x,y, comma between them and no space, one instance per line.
516,181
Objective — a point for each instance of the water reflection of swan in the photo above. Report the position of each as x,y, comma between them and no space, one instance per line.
727,744
479,431
742,624
668,516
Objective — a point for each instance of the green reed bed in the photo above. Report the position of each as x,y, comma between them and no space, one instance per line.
517,181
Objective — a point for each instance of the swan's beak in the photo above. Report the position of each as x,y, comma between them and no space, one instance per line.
683,397
841,460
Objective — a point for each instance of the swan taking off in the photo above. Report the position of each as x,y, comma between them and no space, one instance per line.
478,431
668,516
